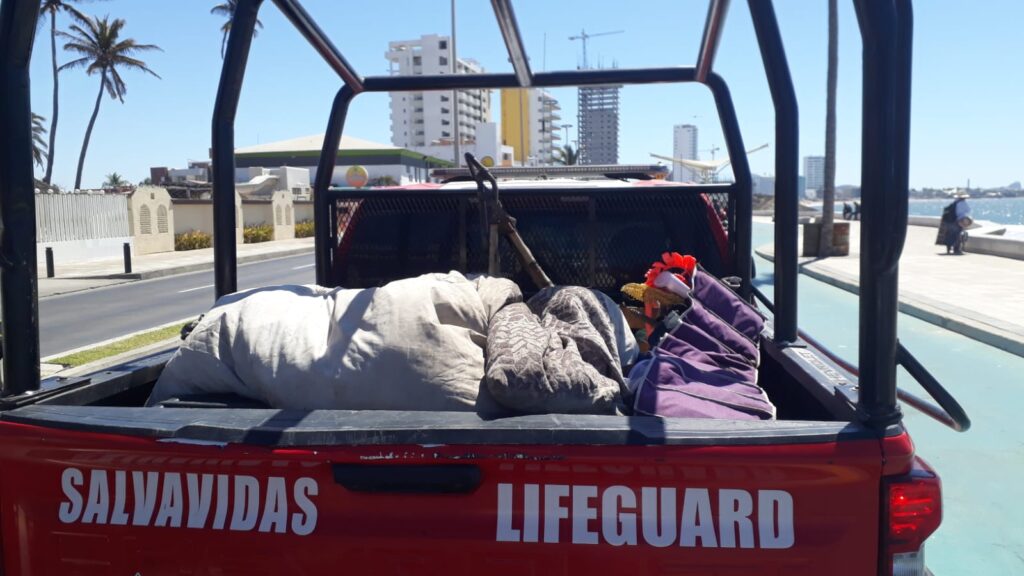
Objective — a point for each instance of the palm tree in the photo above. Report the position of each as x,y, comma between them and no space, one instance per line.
228,9
115,180
38,145
98,41
567,155
51,8
829,194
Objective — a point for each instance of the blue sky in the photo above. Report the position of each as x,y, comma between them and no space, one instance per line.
968,86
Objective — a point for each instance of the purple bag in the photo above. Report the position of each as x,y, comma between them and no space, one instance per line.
670,387
698,316
720,359
717,297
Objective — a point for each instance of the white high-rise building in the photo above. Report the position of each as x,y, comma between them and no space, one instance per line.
814,174
424,118
684,145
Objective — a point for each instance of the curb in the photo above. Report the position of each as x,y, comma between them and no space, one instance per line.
51,357
198,267
984,329
119,359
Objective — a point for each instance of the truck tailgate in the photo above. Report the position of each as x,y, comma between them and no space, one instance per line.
90,503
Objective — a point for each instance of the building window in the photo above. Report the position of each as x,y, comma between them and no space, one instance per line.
445,111
443,61
296,191
443,44
446,134
445,98
417,60
445,122
419,132
161,219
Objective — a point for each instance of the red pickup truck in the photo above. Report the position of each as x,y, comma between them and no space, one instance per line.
93,482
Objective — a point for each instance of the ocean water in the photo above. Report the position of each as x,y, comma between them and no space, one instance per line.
1006,212
997,210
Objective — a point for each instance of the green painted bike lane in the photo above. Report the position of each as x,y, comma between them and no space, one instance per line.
982,470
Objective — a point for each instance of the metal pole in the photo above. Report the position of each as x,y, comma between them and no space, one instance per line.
225,258
456,136
127,249
49,262
19,294
787,151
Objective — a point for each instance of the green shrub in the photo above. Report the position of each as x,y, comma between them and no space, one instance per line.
192,240
258,233
304,229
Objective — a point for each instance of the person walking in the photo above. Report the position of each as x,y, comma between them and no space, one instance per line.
955,220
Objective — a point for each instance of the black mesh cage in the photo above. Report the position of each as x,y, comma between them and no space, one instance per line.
600,238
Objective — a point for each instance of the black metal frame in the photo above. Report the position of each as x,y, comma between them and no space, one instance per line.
885,25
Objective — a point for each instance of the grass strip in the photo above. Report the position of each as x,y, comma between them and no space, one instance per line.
118,346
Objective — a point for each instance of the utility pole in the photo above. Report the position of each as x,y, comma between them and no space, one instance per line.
455,96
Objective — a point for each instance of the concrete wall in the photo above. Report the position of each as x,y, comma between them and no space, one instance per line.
257,212
192,215
996,246
71,251
151,220
303,211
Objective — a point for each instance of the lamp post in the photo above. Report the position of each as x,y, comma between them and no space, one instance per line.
566,128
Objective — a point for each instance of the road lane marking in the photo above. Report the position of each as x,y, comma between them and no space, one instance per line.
196,288
304,266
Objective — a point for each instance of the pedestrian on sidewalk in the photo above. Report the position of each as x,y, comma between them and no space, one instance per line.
955,221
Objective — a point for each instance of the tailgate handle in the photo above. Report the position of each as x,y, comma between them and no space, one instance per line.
408,479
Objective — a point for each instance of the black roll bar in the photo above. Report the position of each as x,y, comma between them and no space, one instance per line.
324,228
17,201
741,232
787,162
311,31
886,32
225,257
713,26
884,205
513,40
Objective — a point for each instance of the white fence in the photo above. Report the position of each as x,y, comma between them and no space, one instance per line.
70,217
81,227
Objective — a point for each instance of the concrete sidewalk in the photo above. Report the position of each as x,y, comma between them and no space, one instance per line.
976,295
170,263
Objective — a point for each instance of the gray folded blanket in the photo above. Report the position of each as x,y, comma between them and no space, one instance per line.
558,353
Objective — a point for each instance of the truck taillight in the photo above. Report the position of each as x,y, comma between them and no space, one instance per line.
913,512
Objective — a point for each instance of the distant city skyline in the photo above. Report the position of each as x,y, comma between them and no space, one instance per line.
288,89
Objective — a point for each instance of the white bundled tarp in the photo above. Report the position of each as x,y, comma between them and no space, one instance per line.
414,344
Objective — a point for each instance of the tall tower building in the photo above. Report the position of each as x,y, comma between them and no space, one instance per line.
424,118
598,124
530,121
814,173
684,145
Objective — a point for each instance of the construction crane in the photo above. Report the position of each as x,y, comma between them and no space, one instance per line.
713,150
708,171
584,36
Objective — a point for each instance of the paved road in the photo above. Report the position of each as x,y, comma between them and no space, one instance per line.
81,318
